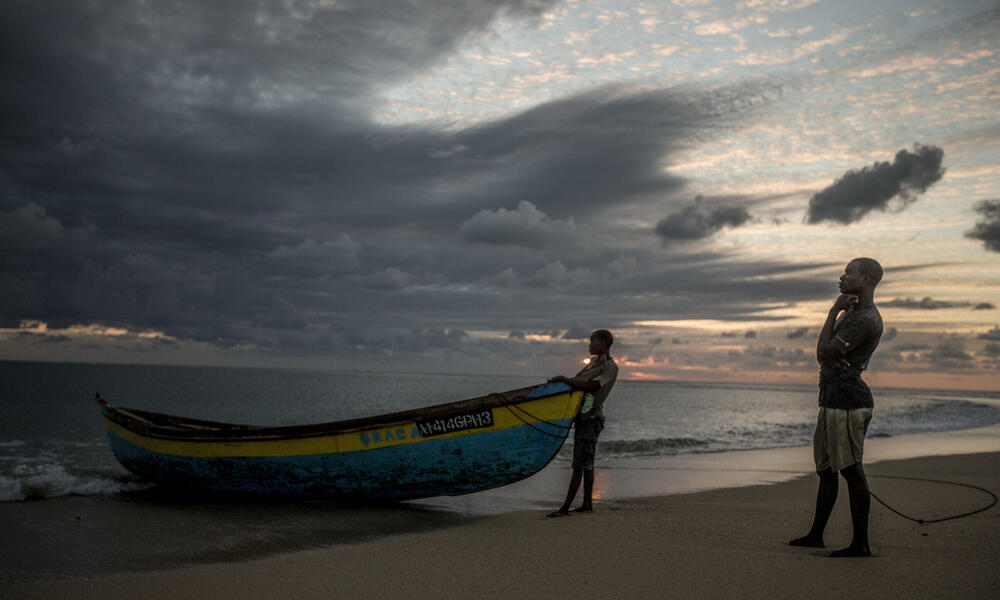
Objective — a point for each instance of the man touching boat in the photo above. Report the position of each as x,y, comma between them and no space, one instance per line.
596,381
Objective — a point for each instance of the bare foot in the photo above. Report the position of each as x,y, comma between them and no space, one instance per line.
584,509
558,513
808,542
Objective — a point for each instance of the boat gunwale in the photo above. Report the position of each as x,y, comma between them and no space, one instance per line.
171,427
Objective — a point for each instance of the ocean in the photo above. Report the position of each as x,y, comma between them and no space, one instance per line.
62,493
53,444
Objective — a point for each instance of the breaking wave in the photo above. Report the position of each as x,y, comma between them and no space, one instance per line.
42,481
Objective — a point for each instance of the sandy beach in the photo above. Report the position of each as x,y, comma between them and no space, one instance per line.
721,543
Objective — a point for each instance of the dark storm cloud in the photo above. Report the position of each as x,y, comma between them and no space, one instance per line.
984,306
699,221
859,192
214,171
987,228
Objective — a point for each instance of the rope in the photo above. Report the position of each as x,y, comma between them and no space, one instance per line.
532,425
511,407
871,493
557,425
922,521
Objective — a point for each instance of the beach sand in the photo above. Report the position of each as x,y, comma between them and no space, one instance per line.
728,543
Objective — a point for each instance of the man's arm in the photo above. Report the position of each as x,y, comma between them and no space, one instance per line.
825,350
584,383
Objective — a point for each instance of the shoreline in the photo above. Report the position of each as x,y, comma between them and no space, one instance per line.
730,542
643,477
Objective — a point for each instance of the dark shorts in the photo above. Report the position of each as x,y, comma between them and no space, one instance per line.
585,443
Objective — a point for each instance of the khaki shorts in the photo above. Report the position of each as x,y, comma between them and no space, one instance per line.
839,441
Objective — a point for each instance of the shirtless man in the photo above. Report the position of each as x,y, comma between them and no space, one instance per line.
596,381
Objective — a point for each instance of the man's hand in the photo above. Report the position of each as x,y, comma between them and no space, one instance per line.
841,363
844,302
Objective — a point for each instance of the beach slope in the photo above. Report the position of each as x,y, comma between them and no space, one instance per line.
728,543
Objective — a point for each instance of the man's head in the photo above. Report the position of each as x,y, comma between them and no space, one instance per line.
860,274
600,341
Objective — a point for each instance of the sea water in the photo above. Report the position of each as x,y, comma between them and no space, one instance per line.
53,442
69,510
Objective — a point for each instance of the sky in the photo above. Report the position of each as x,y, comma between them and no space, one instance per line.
472,187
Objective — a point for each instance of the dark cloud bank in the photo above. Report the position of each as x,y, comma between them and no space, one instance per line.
859,192
213,171
987,228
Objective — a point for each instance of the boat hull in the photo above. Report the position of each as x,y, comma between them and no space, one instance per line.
450,453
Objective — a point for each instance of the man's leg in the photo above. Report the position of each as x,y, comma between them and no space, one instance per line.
574,486
857,489
826,498
588,492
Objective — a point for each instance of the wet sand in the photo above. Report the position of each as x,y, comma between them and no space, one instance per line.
721,543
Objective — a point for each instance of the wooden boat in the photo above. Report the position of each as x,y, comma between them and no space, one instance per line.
448,449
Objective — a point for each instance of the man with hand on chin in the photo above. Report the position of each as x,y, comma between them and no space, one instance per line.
850,335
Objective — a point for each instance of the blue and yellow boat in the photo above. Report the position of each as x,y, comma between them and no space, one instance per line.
448,449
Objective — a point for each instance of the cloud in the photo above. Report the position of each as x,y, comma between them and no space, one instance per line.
926,303
984,306
312,259
992,334
912,347
30,229
798,333
699,221
577,332
890,334
238,189
950,351
857,193
987,229
770,356
750,334
387,280
526,226
432,337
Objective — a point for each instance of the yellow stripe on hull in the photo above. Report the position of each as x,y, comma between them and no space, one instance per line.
551,408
